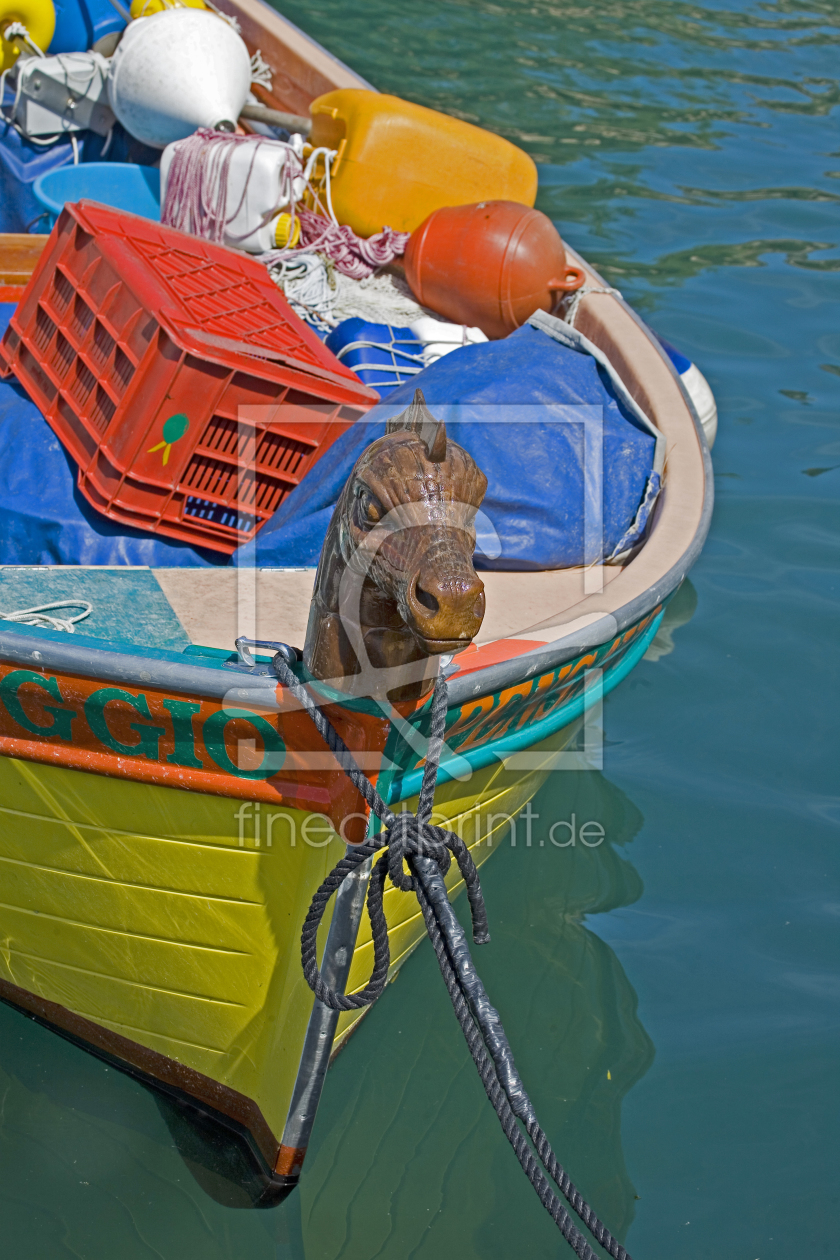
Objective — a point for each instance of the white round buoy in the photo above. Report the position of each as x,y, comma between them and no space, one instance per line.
700,392
178,70
697,387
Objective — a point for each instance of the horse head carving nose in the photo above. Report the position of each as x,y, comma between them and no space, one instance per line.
445,608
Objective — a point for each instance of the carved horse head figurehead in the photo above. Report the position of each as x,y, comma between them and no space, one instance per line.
396,584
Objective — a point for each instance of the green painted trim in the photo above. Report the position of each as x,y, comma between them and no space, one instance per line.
401,789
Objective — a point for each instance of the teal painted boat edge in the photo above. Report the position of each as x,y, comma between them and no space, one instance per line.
517,741
110,661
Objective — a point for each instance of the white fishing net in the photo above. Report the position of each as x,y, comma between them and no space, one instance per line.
321,295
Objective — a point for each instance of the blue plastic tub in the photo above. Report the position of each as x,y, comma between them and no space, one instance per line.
118,184
384,357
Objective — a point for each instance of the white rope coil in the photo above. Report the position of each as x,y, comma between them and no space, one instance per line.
261,70
39,615
308,282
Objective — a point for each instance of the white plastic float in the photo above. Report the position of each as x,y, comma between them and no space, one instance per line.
178,70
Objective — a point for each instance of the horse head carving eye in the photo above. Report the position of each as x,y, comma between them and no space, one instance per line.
368,508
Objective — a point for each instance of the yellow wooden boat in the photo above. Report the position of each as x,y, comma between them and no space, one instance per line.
167,816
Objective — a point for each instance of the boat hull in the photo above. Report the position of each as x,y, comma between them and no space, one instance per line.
160,929
155,882
159,925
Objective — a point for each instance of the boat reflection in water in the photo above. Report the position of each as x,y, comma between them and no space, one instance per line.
681,608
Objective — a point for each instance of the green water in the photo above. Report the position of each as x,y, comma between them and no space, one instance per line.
672,996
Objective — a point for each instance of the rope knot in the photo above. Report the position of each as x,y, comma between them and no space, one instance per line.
408,836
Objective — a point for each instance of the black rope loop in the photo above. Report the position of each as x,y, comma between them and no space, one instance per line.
427,850
405,839
309,935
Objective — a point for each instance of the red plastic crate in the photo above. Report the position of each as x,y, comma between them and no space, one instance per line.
177,376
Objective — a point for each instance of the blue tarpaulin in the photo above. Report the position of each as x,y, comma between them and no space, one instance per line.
525,408
544,422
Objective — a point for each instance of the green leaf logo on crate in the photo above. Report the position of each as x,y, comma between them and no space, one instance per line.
173,430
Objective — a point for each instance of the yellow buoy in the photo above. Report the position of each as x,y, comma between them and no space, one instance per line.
145,8
395,162
36,17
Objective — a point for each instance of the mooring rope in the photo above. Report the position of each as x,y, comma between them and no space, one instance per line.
428,850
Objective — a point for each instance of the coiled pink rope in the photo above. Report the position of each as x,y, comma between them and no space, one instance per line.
197,185
352,255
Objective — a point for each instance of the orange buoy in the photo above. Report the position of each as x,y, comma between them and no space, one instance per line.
489,265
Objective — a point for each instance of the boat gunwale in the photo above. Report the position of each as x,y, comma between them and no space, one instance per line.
508,673
35,647
406,782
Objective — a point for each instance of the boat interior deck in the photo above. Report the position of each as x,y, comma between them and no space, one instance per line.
171,608
215,606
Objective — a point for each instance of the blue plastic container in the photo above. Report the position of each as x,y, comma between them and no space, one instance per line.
118,184
382,356
80,23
